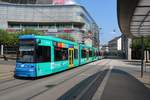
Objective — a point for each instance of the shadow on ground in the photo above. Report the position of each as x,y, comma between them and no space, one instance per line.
124,86
86,88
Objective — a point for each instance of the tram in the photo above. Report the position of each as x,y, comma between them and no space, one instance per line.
43,55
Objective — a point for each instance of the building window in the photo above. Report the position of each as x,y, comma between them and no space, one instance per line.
61,54
43,54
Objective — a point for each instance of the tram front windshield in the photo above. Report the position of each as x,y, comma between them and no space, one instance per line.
26,54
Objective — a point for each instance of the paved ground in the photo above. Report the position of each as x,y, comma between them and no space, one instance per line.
48,87
124,82
6,69
106,79
122,85
7,66
134,68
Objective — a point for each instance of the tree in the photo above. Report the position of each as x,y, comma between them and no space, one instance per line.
28,31
11,38
8,38
3,41
3,37
66,36
147,43
136,44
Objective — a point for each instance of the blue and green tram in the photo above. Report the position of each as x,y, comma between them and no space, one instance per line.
43,55
87,54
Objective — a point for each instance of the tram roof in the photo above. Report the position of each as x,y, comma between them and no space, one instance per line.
134,17
47,38
51,38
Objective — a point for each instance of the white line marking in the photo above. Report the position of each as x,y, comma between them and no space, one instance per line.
99,92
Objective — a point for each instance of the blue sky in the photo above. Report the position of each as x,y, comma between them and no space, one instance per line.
104,13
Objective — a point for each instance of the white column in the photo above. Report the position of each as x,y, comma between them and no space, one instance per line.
129,48
2,50
145,53
148,55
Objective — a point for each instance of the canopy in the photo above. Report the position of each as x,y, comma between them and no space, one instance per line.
134,17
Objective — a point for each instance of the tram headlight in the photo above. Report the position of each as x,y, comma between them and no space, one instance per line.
25,66
31,70
31,66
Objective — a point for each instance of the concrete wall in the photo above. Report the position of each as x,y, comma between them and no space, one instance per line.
126,47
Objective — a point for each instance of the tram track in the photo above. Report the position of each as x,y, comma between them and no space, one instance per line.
12,74
5,81
78,74
52,86
57,81
33,96
86,88
22,83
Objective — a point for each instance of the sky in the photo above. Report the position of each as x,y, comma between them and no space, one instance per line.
104,12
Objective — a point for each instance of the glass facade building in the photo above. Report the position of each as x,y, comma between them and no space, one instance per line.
49,18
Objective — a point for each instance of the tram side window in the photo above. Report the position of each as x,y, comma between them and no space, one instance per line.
90,53
75,53
97,53
60,54
83,53
43,54
94,53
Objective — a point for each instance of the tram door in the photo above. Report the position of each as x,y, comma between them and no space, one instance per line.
71,57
